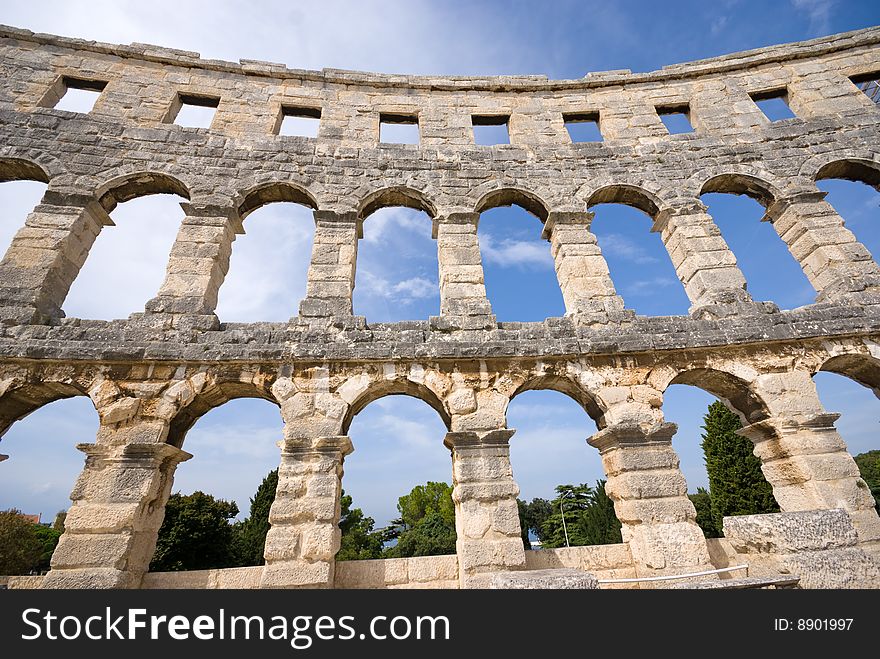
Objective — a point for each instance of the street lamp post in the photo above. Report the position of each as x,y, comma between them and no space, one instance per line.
562,512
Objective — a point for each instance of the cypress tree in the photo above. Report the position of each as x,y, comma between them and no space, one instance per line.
736,484
250,535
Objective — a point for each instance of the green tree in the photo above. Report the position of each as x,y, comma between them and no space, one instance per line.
48,538
589,517
736,484
196,534
869,468
359,540
426,526
20,546
705,520
531,518
598,522
250,534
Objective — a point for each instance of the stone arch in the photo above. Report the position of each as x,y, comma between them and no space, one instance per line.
131,186
510,196
20,164
629,195
274,191
20,169
852,169
206,397
563,384
742,184
398,195
735,392
403,386
861,368
22,399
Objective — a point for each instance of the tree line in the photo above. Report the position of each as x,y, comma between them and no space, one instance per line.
198,531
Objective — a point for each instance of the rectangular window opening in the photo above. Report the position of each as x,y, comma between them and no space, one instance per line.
869,83
79,95
196,111
491,129
676,118
299,122
583,127
398,128
774,104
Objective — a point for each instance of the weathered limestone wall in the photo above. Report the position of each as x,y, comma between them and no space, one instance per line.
153,375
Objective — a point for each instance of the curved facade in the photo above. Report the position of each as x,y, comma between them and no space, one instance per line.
153,375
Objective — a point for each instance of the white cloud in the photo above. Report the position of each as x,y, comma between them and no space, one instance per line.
615,244
509,253
648,286
819,13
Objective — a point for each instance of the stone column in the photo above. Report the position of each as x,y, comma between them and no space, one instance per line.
463,301
304,536
650,499
46,256
583,275
836,264
702,259
118,506
199,260
486,513
805,460
334,257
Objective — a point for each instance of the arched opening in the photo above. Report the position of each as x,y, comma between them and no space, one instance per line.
43,463
737,204
723,474
853,189
640,266
398,441
396,275
518,266
850,385
22,185
224,492
560,476
126,265
269,265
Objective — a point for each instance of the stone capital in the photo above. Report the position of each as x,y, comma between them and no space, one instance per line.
473,439
340,218
334,445
471,219
777,208
769,428
689,207
134,454
570,218
623,435
199,212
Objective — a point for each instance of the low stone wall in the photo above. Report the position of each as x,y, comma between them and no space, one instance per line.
235,577
604,561
417,572
819,546
24,583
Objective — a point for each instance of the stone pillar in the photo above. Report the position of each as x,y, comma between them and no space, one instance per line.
199,260
334,257
463,301
805,460
304,536
702,259
836,264
583,275
486,512
46,256
118,506
650,499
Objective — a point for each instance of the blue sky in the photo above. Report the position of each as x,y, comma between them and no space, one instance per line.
398,440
